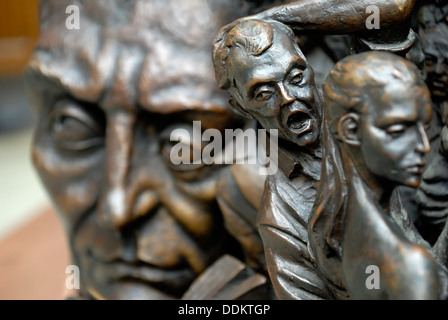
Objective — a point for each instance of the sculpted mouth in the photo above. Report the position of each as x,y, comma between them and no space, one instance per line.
417,169
299,122
438,84
170,280
147,273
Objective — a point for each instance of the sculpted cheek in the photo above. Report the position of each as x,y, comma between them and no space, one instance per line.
73,185
378,152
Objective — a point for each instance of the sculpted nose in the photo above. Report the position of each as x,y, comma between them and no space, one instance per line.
118,206
440,66
123,198
113,211
287,97
423,145
114,208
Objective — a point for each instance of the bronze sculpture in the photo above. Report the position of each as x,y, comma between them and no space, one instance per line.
374,139
282,217
269,79
110,95
252,61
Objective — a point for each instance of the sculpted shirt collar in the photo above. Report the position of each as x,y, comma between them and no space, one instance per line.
293,161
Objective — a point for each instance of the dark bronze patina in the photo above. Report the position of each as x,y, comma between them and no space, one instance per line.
362,175
108,96
289,195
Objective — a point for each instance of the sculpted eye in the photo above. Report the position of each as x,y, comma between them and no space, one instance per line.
396,129
429,59
179,149
263,93
178,135
297,78
74,128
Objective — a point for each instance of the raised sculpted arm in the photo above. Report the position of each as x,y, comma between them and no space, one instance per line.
337,16
344,17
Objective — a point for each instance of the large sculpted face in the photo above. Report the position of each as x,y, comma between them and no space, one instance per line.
277,88
108,97
392,134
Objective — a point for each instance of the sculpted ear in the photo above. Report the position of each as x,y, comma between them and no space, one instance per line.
239,109
348,129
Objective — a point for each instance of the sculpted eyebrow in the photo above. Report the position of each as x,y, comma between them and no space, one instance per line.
391,120
41,81
52,85
297,62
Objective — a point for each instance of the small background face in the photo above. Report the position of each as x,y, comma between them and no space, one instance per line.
392,134
278,89
435,47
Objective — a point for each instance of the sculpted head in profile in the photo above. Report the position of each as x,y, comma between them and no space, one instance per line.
269,79
377,112
374,139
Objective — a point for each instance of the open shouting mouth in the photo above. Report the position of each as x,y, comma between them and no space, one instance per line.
299,122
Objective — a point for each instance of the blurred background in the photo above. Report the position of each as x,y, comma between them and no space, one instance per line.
33,250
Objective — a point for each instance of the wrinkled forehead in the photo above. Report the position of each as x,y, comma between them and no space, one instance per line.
154,54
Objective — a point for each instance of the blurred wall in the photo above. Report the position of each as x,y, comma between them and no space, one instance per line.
19,29
33,249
